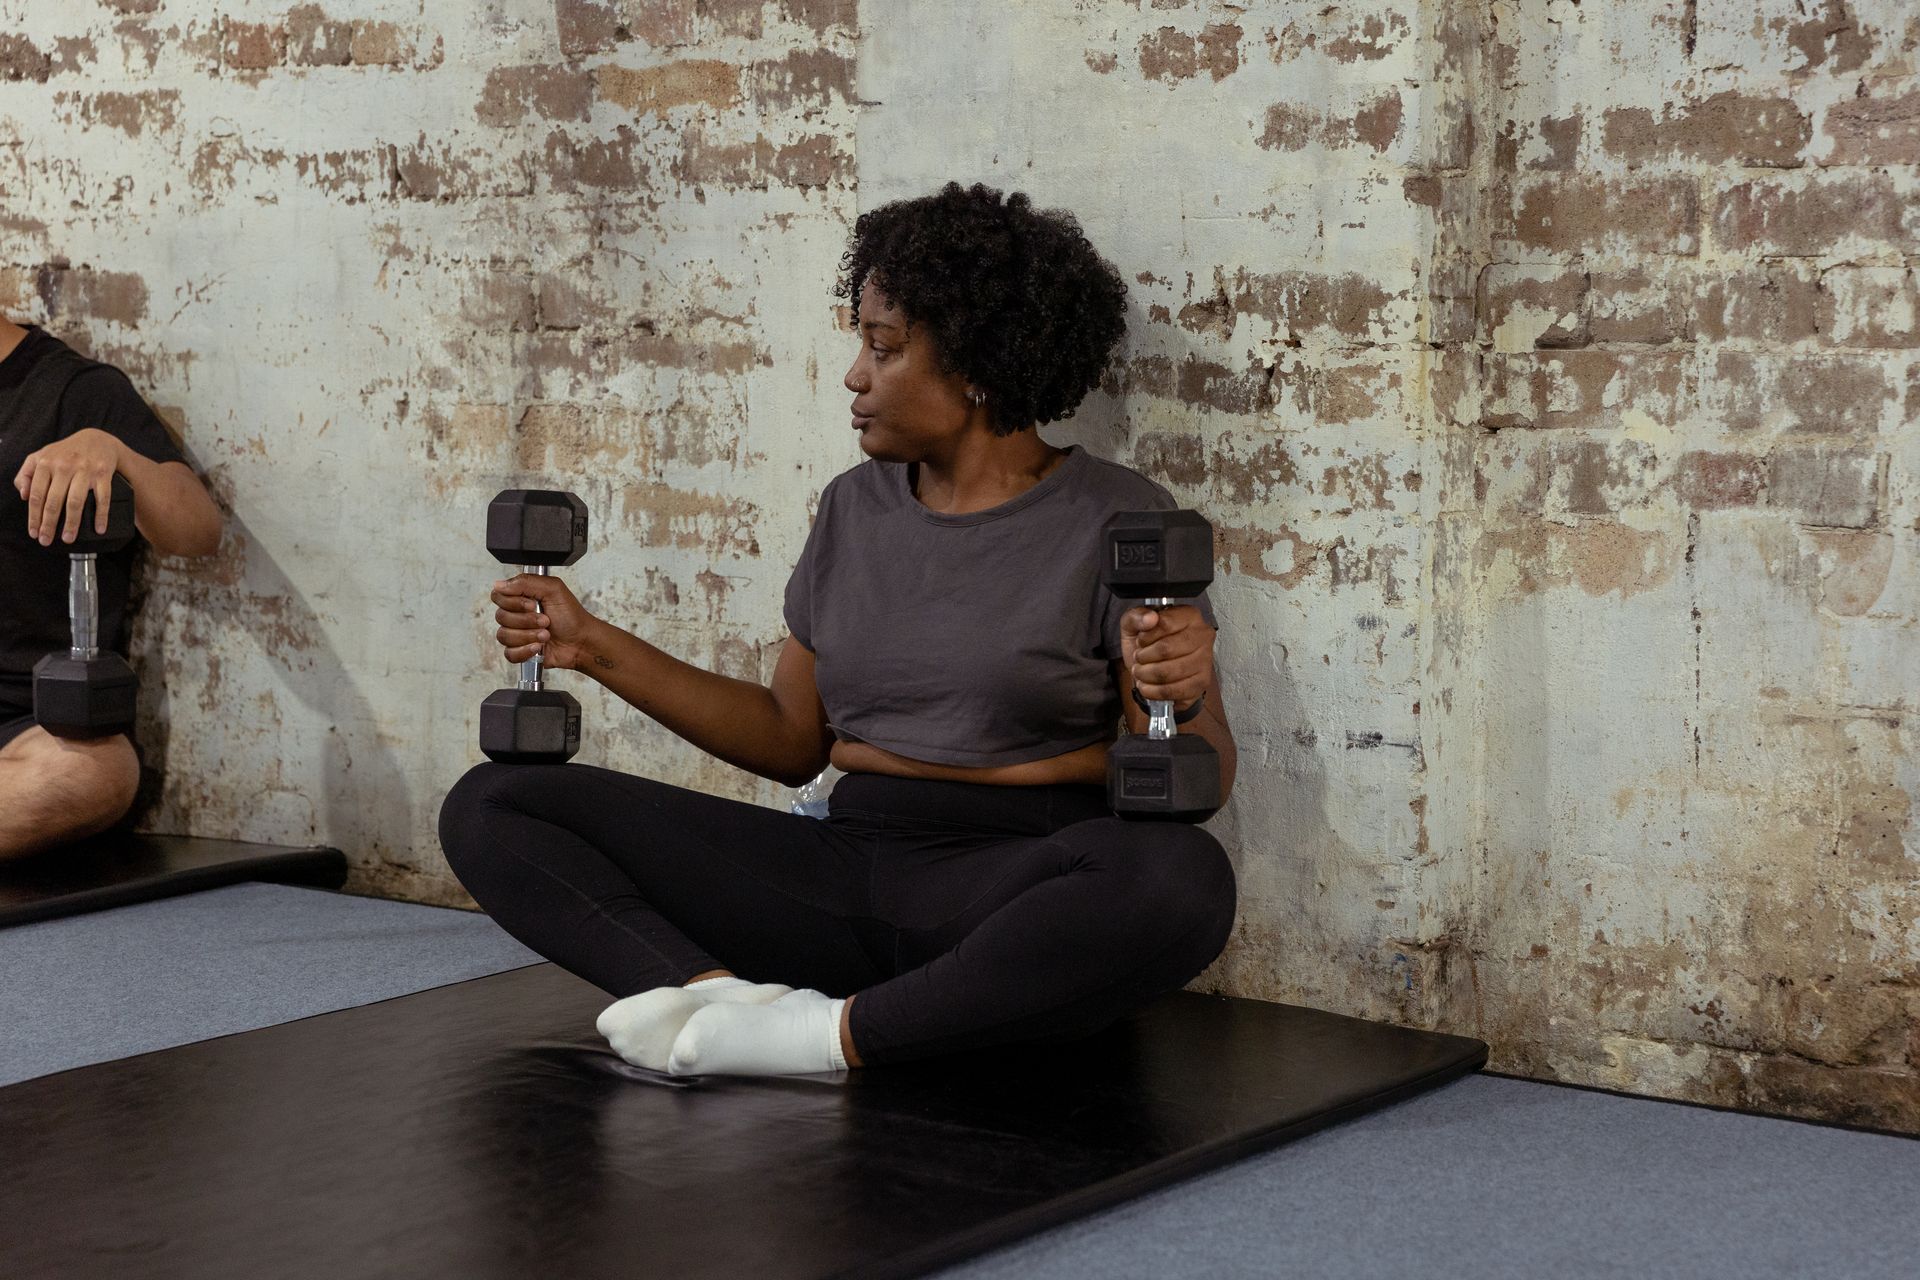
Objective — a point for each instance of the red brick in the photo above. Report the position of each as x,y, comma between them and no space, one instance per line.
498,300
1559,144
1875,130
1374,124
315,40
803,78
1350,305
513,94
383,44
1707,480
1821,394
739,18
1819,214
1451,309
817,160
1638,305
1778,302
21,59
597,163
1726,128
1827,486
1205,383
1591,477
1592,388
1586,214
70,293
585,27
1870,307
253,46
1173,55
562,305
1504,288
822,16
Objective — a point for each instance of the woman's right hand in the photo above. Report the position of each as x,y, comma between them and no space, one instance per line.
537,614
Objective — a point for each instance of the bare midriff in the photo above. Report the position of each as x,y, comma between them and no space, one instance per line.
1088,764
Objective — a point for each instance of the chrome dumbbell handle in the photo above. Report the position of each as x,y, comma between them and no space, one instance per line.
530,669
83,606
1159,714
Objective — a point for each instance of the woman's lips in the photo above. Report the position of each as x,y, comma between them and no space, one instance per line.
861,421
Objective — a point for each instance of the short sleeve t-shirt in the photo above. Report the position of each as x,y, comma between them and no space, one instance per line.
976,639
49,391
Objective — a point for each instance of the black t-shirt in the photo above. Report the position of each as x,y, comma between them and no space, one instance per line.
49,391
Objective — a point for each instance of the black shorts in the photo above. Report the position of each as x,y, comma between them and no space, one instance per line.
16,712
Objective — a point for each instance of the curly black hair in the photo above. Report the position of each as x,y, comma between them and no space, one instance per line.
1018,302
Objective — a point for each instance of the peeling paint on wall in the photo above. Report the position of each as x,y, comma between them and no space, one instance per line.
1551,374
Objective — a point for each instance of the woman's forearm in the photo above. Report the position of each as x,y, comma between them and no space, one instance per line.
737,721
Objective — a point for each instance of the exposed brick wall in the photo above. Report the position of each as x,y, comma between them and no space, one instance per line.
1551,373
378,259
1697,425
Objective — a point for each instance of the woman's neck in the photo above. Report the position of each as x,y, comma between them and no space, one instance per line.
983,477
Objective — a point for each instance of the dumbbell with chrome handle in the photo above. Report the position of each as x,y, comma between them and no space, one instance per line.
1155,558
535,530
89,692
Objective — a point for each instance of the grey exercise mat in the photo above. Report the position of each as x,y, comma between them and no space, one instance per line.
1513,1180
91,988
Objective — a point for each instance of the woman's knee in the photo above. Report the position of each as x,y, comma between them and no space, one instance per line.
1207,888
1186,873
464,812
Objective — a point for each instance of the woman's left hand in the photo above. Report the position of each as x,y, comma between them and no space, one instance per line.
1169,651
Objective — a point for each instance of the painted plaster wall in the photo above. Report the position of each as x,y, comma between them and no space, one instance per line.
1547,369
380,260
1698,472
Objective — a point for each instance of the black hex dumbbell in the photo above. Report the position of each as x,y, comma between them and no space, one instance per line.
1154,558
535,529
88,692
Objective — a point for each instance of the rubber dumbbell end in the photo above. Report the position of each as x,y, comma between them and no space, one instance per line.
537,526
120,528
529,726
84,697
1163,779
1151,554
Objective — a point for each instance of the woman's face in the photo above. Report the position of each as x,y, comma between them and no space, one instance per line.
904,406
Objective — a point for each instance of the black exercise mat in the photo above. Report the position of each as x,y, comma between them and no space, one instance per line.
114,870
484,1130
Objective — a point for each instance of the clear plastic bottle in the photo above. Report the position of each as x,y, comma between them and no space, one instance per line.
810,800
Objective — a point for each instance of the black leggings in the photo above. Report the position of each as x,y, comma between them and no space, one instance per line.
963,915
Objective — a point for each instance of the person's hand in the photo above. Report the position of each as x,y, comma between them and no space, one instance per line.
538,614
1169,651
56,480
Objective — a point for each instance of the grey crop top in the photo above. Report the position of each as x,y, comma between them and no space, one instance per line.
976,639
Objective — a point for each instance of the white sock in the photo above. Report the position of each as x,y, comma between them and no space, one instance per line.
641,1028
798,1034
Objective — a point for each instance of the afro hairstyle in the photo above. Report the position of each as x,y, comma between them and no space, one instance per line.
1017,300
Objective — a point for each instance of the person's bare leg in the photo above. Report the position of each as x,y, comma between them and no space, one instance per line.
53,790
846,1034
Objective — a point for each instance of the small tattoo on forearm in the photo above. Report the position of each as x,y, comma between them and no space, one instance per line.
605,664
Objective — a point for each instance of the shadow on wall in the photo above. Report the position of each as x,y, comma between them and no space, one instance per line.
196,617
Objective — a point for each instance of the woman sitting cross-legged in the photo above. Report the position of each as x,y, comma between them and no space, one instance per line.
953,651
